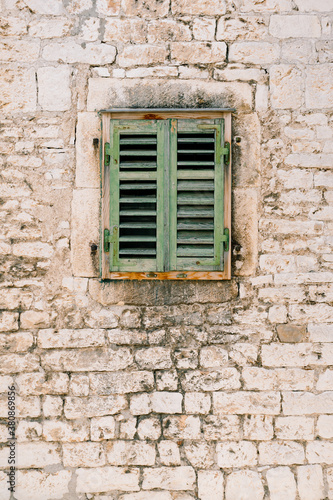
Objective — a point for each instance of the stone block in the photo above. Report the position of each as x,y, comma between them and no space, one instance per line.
51,339
130,453
210,484
103,428
244,485
87,360
169,478
54,92
87,173
55,430
198,52
206,381
121,382
104,93
245,234
319,86
254,52
213,357
313,6
288,355
35,384
236,454
221,428
168,30
258,427
149,428
281,483
197,402
107,8
79,385
19,50
286,83
101,479
154,358
166,402
143,55
295,26
198,7
50,27
306,403
83,455
291,333
28,431
18,90
148,9
8,321
73,53
12,26
325,381
286,379
310,482
324,427
38,485
181,427
204,28
243,402
126,30
85,221
319,452
93,406
200,454
295,428
48,7
281,453
34,455
16,363
168,452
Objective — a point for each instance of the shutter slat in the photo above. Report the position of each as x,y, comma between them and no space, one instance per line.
137,238
139,152
137,225
137,213
195,212
195,174
195,251
195,186
140,165
196,163
143,140
136,186
197,139
138,199
137,251
197,226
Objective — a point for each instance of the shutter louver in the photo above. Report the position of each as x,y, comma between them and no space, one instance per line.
135,206
198,202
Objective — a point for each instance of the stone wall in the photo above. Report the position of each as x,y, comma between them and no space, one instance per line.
162,390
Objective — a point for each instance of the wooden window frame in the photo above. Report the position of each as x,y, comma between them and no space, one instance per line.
163,114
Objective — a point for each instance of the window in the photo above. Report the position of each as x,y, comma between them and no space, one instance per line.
166,194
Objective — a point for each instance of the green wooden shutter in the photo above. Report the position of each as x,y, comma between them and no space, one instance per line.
166,195
196,196
136,195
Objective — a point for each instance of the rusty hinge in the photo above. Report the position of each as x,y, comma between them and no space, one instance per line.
225,240
107,153
226,152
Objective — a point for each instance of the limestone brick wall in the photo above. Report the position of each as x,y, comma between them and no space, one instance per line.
167,390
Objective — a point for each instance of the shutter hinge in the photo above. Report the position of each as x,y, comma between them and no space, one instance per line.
226,152
225,240
110,238
107,153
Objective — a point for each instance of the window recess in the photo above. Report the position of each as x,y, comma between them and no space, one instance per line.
166,189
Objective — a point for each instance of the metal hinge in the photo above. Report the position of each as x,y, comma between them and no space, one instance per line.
225,239
110,239
226,152
107,153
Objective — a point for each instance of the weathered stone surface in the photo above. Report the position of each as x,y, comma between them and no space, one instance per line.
134,55
50,339
310,482
319,86
306,403
103,428
299,427
83,455
18,90
54,88
126,30
295,26
244,485
88,359
291,333
55,430
19,50
286,85
93,406
169,478
199,52
211,380
198,7
87,156
245,202
281,483
85,218
281,453
71,52
38,485
34,455
100,479
34,384
106,92
243,402
254,52
50,28
121,382
107,8
126,453
147,9
236,454
210,484
181,427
